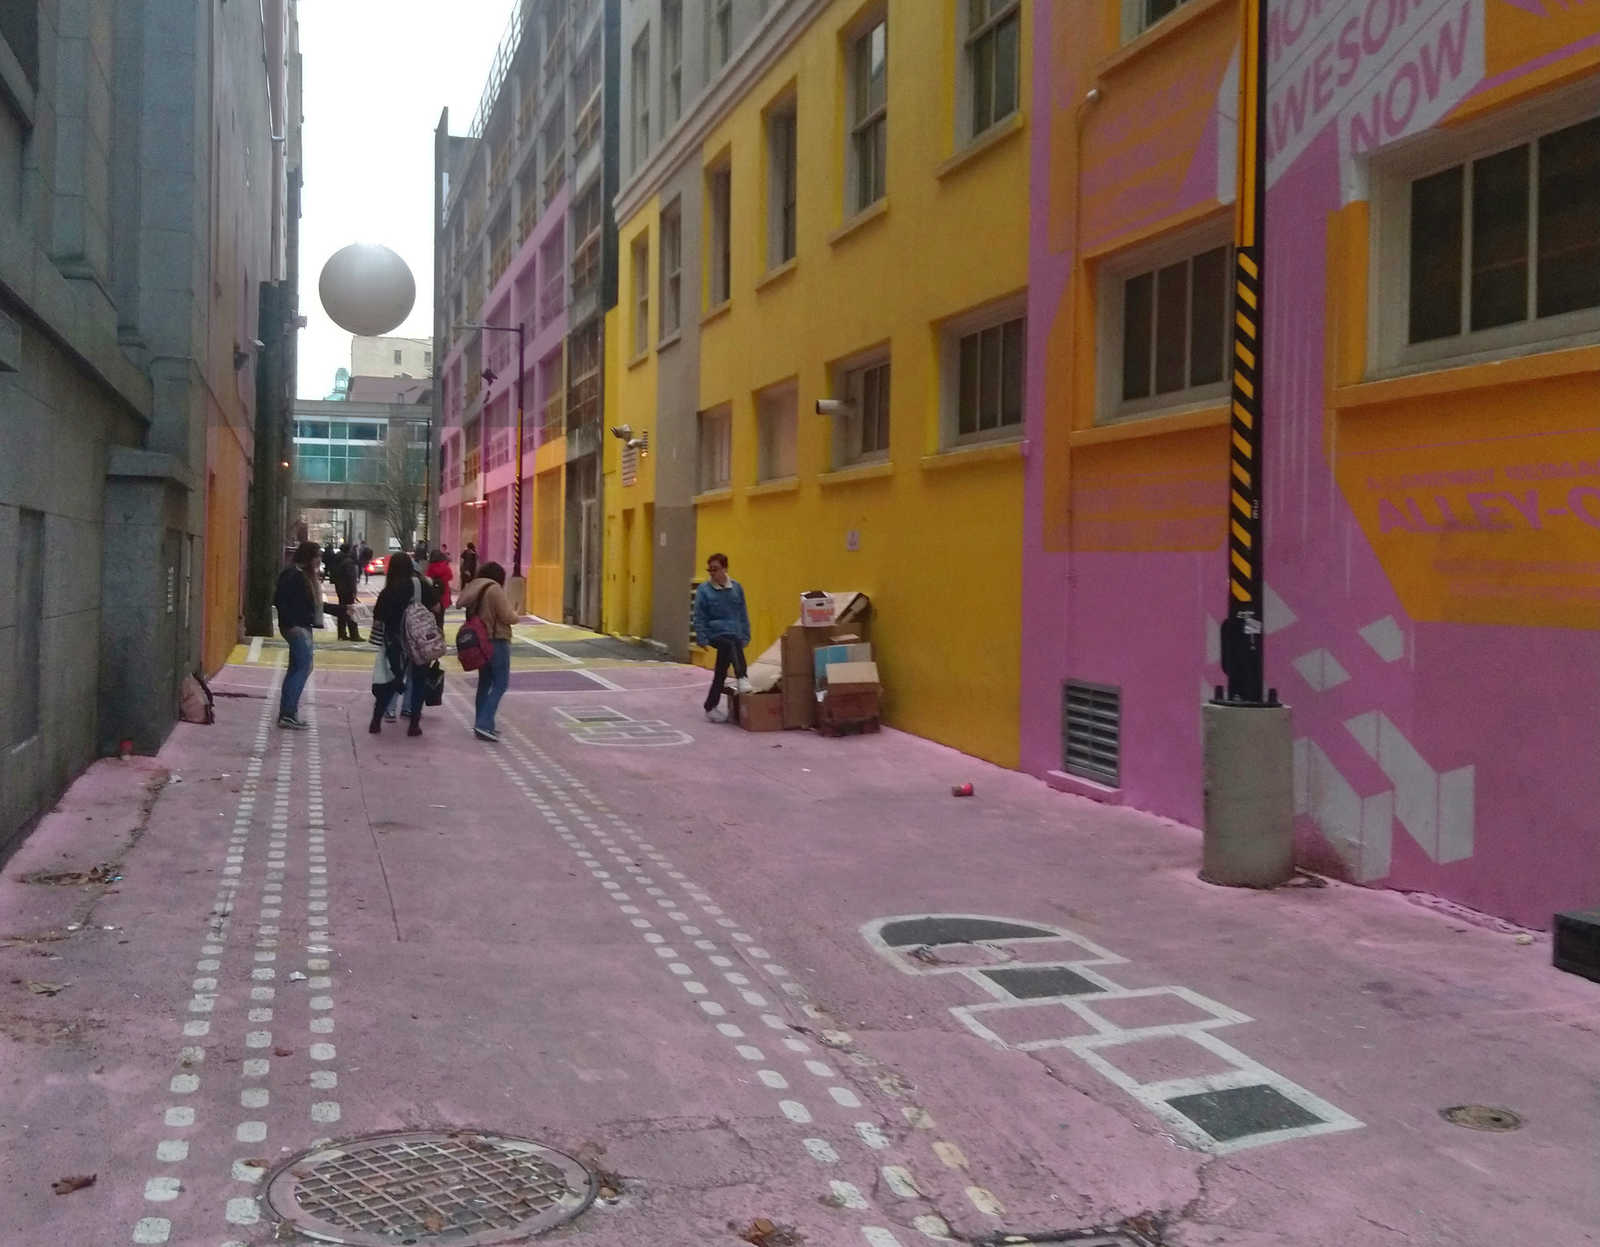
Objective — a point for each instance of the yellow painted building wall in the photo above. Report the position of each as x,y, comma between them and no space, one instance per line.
549,516
228,479
938,535
631,400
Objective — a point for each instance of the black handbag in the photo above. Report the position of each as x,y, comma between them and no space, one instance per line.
433,685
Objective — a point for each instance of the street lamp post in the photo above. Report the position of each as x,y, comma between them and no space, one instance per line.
516,487
1248,745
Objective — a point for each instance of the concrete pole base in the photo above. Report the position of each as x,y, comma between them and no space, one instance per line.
517,591
1249,798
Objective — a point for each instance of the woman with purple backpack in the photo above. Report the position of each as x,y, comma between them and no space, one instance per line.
393,672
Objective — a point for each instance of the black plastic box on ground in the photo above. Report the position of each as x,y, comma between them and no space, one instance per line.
1576,947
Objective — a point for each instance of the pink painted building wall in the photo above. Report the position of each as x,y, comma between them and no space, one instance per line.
1432,503
532,291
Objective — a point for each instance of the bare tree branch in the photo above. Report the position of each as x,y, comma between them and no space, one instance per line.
402,489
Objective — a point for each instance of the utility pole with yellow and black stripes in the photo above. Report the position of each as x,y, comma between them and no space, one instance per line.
1249,762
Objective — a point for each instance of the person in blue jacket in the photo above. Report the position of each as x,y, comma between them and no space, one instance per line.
721,621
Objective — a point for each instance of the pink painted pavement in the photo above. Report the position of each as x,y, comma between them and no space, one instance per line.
651,956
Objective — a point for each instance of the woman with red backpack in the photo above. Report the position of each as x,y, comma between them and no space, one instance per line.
396,669
485,599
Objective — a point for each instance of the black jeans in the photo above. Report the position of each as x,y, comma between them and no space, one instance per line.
348,631
729,652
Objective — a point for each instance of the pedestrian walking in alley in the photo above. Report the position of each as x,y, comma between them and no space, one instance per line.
296,599
441,573
393,672
485,597
346,580
721,620
469,563
365,557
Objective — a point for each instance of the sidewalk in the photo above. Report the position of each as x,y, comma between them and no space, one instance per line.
744,976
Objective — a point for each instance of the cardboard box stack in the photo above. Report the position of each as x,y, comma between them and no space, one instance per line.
833,633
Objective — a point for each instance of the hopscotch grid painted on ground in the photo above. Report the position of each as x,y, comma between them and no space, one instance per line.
605,830
1106,1035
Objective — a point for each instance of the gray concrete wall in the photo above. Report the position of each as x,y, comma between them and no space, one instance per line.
136,227
58,426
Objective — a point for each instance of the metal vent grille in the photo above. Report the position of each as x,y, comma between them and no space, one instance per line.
1091,731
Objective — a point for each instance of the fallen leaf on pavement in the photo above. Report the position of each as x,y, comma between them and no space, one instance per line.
45,989
432,1222
283,1052
65,1186
257,1162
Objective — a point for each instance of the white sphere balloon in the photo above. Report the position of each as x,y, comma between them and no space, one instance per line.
367,289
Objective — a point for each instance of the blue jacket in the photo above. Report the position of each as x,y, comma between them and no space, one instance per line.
720,613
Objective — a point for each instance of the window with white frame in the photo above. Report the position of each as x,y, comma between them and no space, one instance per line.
782,184
866,176
1497,244
671,63
716,449
641,99
777,419
719,193
861,431
671,268
993,62
641,294
1164,316
983,366
1139,15
719,30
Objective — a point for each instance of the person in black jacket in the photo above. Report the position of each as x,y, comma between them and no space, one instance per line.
393,671
295,600
346,579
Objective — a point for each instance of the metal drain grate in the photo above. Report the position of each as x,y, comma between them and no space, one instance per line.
455,1187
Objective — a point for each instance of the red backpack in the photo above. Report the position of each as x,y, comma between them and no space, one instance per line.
472,643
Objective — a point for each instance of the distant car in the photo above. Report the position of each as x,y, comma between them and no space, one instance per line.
378,565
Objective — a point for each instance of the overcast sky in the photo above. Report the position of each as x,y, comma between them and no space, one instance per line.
377,74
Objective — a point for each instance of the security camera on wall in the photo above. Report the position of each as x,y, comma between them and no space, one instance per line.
834,407
622,432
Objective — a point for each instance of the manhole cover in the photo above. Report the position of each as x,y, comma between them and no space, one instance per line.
1481,1117
457,1187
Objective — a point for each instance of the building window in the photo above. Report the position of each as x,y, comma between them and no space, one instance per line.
671,268
1164,331
716,449
719,28
397,357
1139,15
671,62
861,433
782,184
777,418
1500,250
869,116
641,99
719,193
982,377
994,57
641,294
427,359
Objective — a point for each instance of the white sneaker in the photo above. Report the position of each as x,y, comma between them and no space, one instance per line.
717,714
744,686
